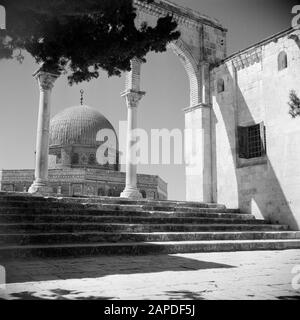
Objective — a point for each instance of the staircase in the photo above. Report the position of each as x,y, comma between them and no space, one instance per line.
33,226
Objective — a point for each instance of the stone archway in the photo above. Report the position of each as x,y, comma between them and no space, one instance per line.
192,68
202,44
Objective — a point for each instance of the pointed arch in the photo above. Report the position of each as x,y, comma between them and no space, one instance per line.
191,67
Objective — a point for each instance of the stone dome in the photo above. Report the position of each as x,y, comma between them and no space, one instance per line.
77,125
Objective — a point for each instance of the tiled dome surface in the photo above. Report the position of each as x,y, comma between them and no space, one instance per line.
77,125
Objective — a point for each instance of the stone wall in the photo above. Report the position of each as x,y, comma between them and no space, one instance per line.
16,180
80,181
256,91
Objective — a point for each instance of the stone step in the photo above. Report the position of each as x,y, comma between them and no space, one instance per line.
43,218
111,208
26,198
92,237
117,201
64,250
124,213
51,226
115,227
63,203
159,208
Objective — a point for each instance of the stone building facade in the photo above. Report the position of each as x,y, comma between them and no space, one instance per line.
84,182
242,148
250,94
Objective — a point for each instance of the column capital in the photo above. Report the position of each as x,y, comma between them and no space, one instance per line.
45,79
204,63
132,97
198,106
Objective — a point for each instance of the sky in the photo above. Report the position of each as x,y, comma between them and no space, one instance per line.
163,78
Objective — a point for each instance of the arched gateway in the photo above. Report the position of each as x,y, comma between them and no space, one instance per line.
202,44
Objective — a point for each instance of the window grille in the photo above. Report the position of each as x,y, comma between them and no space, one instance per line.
252,141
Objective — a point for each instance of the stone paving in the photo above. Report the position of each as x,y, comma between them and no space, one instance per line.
199,276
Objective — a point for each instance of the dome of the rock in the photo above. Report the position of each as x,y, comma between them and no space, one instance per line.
77,125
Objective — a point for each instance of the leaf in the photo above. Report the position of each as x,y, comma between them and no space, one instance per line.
82,38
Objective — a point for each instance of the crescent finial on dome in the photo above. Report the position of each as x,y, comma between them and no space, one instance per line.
81,96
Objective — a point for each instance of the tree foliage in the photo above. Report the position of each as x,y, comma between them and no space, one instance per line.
81,37
294,104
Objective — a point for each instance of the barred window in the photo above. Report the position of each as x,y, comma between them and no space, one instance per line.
252,141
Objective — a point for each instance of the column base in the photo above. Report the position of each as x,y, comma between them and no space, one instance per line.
40,188
131,194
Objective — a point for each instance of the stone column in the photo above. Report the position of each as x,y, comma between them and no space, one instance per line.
132,95
198,143
46,82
